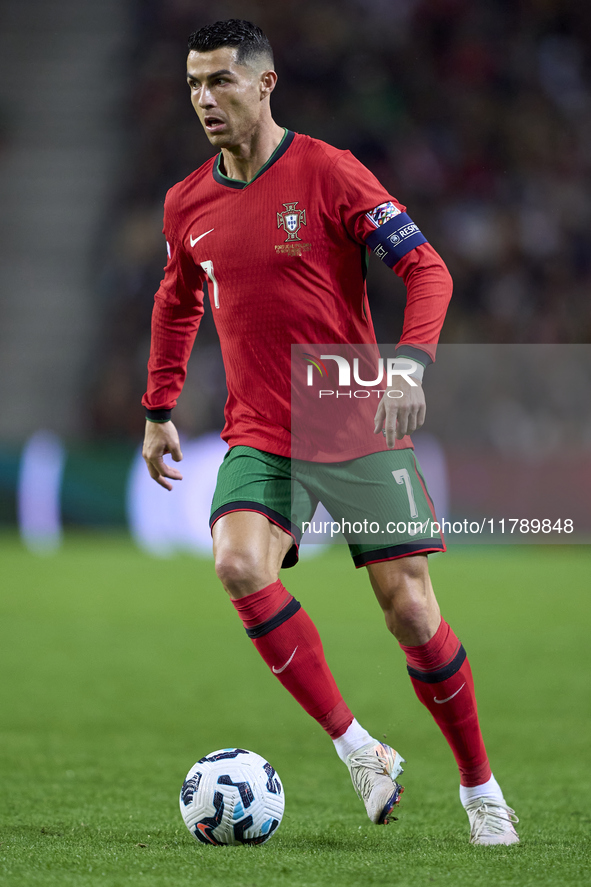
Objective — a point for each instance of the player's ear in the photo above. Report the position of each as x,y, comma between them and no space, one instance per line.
267,83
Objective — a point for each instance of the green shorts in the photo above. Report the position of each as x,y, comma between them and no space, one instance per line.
380,502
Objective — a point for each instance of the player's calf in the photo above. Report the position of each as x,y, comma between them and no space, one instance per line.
289,643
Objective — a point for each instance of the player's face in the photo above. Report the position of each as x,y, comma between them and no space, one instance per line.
227,96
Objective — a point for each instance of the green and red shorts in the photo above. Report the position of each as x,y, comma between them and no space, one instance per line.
380,501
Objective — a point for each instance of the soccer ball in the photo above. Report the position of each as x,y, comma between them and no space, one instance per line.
232,796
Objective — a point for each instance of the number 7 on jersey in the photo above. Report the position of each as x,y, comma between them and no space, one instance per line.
208,268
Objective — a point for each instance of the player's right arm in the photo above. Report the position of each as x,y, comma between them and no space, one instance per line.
177,313
162,438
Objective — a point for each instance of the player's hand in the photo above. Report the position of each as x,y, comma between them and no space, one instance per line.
399,415
162,438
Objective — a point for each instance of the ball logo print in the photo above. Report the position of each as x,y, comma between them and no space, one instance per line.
204,828
232,796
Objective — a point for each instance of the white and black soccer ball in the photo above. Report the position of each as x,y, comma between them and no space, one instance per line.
232,796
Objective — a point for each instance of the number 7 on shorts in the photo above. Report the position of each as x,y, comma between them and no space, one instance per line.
401,476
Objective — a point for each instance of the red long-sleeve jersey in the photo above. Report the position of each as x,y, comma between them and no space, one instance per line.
285,257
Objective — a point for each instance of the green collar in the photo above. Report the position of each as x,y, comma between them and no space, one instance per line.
279,151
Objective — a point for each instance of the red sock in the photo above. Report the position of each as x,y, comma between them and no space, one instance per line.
288,641
442,679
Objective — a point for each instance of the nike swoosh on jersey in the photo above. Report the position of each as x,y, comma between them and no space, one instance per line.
441,701
283,667
193,242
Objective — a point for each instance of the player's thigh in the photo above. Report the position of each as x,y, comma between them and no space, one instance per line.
251,519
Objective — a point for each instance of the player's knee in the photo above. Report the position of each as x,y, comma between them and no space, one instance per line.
239,572
407,614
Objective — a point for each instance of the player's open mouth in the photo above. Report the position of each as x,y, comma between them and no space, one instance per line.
213,124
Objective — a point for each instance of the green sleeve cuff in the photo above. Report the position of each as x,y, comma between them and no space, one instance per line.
158,415
414,353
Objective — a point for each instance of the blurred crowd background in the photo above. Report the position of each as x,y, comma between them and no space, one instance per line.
475,113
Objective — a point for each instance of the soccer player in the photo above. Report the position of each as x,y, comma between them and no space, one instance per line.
278,225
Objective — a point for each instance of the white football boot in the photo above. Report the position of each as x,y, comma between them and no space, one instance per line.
491,822
374,768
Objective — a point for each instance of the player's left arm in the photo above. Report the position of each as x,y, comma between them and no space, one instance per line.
377,220
429,288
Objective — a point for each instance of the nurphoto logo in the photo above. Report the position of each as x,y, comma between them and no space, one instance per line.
393,368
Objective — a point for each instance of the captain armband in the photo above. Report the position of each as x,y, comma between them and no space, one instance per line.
396,234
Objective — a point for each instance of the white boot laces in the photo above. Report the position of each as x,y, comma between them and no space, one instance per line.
361,778
491,817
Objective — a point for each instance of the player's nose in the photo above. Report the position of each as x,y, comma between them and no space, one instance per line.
205,98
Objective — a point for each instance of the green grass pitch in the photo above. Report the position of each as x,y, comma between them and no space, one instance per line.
118,671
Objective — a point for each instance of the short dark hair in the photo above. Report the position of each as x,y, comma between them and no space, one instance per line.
234,32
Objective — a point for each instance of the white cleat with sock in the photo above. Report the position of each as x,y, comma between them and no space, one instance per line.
492,821
374,769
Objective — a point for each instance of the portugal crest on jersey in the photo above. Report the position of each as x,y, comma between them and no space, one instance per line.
291,219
